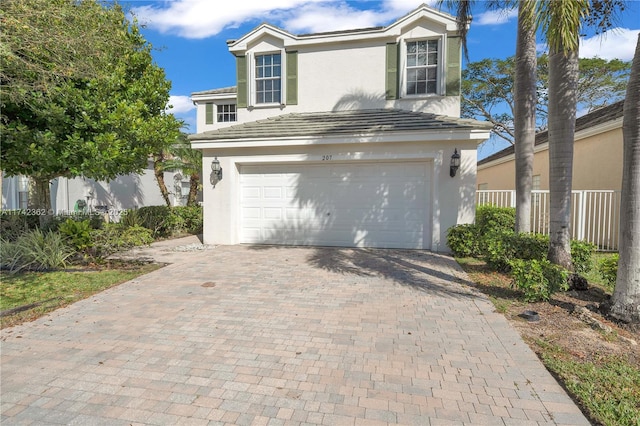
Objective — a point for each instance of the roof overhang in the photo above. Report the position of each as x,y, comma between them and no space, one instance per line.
387,137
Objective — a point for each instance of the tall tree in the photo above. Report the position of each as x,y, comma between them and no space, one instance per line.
74,125
187,160
525,112
561,24
46,41
626,296
488,89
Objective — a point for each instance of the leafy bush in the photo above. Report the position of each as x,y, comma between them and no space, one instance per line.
157,219
463,240
165,221
77,233
538,279
35,250
54,222
530,246
495,219
608,269
13,223
191,218
131,218
581,254
114,237
498,249
134,236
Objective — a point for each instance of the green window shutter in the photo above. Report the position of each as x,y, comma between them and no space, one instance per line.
453,66
292,78
208,116
241,80
391,85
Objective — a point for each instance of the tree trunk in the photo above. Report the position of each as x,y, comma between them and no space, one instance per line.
42,194
159,174
194,181
525,98
626,296
563,82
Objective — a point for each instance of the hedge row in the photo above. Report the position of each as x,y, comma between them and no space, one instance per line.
524,256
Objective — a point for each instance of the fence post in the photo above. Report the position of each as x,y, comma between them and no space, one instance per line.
513,198
582,205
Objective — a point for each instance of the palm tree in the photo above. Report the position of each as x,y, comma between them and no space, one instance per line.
189,162
525,98
159,158
561,23
626,296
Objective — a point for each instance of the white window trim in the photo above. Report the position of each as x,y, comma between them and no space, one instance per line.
440,84
218,105
251,82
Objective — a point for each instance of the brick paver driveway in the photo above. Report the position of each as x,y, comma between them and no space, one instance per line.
266,335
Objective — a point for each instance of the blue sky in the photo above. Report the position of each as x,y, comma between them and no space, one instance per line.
190,36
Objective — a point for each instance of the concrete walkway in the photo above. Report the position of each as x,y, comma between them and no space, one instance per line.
273,336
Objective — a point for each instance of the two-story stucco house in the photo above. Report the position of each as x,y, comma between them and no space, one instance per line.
343,138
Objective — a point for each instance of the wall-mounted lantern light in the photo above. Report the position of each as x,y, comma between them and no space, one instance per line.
455,163
216,172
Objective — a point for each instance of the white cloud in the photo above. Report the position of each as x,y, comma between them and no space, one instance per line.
206,18
494,17
328,17
180,104
617,43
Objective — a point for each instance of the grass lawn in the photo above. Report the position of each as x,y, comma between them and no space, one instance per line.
26,296
600,369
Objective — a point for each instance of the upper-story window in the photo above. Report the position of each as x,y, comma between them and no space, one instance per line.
422,67
268,78
226,113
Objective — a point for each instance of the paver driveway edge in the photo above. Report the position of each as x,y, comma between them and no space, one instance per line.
280,335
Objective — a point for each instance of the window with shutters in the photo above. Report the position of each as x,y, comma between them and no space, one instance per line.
422,60
268,78
226,113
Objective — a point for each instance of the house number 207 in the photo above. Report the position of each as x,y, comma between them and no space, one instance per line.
327,157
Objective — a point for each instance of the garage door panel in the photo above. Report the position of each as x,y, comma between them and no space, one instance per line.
366,205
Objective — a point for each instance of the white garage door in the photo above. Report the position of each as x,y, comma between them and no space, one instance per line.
348,205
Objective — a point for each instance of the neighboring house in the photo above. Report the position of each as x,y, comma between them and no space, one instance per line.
597,156
340,139
82,194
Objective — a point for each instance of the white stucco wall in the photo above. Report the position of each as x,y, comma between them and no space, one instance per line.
340,74
452,199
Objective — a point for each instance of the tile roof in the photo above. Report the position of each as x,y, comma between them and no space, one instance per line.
223,90
594,118
341,123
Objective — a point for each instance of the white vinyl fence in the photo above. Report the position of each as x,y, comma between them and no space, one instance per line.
595,215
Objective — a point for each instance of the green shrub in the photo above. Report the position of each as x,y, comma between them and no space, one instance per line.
131,218
78,233
54,222
538,279
498,249
530,246
191,218
495,219
134,236
114,237
165,221
581,255
608,269
463,240
13,223
35,250
157,219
